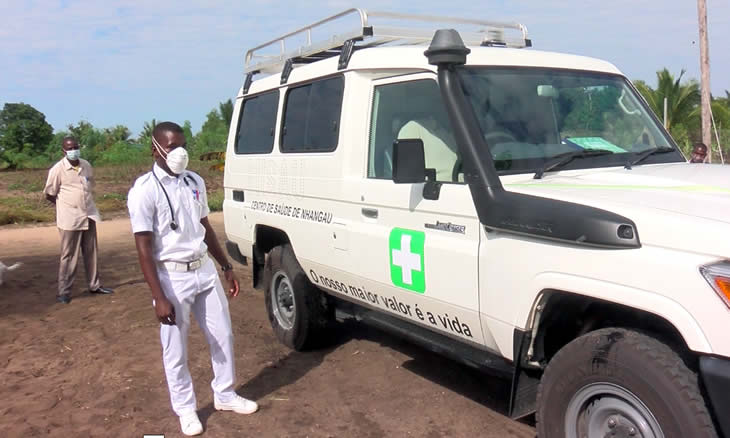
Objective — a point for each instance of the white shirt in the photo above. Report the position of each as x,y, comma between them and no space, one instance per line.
149,211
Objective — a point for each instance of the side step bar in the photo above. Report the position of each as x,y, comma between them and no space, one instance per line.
474,357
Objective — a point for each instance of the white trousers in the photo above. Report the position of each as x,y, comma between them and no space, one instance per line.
201,292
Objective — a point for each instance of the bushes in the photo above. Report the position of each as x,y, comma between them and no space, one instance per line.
123,152
38,147
26,160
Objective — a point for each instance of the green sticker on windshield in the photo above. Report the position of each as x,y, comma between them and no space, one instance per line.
595,143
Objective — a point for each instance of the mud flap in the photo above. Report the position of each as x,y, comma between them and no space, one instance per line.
258,262
523,395
235,253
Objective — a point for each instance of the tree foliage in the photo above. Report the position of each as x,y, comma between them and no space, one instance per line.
213,136
36,145
683,110
145,137
188,131
27,140
683,101
225,109
682,98
24,134
116,134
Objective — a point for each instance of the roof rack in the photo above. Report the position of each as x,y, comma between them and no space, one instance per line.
273,56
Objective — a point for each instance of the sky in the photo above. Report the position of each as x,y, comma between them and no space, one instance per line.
131,61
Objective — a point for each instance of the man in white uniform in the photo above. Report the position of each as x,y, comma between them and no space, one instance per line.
168,208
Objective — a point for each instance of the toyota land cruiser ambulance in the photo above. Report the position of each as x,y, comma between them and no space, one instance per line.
518,210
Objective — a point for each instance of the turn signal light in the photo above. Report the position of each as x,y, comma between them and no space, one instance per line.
718,275
723,286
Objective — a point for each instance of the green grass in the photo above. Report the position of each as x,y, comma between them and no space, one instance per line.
111,202
19,210
118,196
27,186
23,200
215,200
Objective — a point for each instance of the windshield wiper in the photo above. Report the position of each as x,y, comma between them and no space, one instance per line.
566,157
641,156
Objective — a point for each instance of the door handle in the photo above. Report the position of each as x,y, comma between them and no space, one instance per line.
371,213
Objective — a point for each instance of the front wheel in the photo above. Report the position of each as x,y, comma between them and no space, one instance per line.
298,311
617,382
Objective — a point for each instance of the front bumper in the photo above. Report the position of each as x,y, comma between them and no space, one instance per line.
715,374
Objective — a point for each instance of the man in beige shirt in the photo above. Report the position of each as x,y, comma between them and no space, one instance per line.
69,186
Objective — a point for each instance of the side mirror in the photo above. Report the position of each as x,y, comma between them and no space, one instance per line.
409,161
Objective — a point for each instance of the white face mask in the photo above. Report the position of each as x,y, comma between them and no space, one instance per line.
73,154
176,160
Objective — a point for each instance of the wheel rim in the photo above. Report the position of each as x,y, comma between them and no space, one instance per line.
282,300
608,410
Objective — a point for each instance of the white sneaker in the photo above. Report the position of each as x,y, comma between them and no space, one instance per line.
190,424
238,405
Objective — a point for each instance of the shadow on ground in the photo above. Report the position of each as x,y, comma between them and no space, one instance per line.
285,371
490,391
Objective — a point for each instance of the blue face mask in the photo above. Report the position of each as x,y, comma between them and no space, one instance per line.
73,154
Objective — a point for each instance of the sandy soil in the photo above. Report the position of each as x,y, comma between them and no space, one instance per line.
93,368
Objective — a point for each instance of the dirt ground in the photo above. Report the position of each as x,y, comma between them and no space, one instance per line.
94,367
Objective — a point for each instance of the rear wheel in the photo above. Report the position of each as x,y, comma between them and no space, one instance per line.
617,382
298,311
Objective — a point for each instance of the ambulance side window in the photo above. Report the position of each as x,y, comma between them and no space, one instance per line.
312,116
257,123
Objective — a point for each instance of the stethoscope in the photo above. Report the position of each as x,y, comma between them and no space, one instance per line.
173,223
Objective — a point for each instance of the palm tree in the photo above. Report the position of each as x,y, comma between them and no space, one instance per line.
147,130
682,99
115,134
118,133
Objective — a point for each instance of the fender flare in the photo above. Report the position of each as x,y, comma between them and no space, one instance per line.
640,299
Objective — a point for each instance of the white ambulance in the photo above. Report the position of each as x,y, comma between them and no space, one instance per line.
518,210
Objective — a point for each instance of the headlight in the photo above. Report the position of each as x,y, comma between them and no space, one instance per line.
718,275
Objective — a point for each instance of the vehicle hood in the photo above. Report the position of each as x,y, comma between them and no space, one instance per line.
677,205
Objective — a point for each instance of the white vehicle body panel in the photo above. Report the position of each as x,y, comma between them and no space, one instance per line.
489,281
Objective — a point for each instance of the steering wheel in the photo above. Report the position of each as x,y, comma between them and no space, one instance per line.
490,136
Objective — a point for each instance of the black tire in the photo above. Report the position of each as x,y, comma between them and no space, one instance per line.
639,364
310,315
